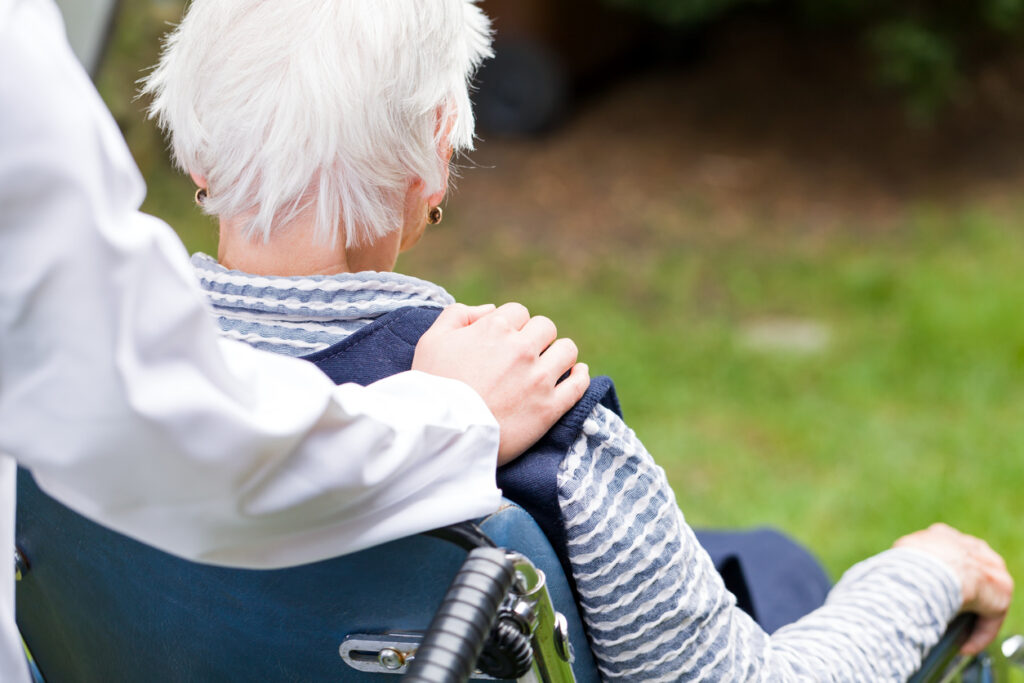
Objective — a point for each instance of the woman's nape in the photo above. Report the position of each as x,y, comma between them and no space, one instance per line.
295,247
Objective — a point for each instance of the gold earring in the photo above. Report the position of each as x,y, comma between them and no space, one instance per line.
201,195
434,215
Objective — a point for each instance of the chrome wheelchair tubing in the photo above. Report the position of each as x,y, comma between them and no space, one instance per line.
552,655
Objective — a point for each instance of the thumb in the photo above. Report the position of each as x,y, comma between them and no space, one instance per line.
460,315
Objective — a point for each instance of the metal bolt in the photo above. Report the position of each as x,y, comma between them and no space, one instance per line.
562,645
524,614
21,565
391,659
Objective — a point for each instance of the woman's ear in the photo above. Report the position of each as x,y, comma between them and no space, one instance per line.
442,133
200,180
436,198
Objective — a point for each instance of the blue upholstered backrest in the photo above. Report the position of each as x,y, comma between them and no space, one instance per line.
98,606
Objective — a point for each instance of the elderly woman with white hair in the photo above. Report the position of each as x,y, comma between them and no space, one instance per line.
320,134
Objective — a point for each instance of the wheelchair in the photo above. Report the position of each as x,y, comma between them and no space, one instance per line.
94,605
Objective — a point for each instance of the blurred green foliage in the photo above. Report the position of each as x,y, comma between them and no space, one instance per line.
924,49
917,60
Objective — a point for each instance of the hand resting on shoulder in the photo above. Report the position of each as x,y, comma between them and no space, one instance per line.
513,361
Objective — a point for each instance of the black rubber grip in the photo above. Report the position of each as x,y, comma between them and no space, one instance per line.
457,634
936,661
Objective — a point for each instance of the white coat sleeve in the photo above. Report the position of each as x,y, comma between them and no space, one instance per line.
118,394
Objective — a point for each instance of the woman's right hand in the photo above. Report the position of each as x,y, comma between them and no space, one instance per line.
986,585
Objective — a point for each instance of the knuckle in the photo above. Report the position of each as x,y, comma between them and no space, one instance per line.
570,347
500,324
516,309
563,351
495,324
546,323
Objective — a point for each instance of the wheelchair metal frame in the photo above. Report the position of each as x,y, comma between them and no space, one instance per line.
467,619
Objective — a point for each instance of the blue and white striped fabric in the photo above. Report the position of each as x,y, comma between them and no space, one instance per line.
297,316
657,610
655,607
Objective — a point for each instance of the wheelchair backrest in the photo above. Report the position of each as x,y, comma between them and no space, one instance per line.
94,605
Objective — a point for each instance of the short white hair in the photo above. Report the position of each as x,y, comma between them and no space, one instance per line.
341,103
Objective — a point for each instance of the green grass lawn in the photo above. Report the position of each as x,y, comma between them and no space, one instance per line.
905,408
849,387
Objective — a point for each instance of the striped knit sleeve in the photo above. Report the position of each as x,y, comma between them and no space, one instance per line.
656,609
